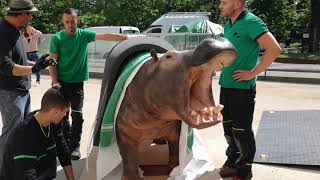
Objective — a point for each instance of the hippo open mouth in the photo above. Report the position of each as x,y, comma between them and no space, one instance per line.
202,110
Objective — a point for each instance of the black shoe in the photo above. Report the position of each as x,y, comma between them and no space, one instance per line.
76,155
247,177
227,171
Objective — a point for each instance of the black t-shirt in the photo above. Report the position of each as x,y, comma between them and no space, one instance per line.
29,154
12,52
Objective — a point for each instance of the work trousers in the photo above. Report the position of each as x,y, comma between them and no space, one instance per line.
237,124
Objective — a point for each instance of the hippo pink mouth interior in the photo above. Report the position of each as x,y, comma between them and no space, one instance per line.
201,98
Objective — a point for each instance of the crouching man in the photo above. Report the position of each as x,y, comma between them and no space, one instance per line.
32,147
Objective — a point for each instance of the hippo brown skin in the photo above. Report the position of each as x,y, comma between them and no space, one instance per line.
163,93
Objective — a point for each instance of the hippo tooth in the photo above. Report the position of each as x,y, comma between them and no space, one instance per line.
205,111
193,113
218,108
198,119
206,119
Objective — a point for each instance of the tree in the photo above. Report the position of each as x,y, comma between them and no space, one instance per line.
48,18
3,5
142,13
139,13
279,15
215,13
315,22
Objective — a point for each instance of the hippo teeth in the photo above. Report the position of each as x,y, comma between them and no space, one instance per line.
209,111
208,114
193,113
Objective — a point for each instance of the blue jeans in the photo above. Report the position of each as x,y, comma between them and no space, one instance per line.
14,106
33,56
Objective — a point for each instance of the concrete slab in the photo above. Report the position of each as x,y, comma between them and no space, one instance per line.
270,96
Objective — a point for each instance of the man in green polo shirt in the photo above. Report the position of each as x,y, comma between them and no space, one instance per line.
248,33
69,48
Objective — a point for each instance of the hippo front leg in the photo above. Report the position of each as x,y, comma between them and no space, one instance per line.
129,153
173,152
173,142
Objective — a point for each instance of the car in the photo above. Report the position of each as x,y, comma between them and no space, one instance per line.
98,50
115,29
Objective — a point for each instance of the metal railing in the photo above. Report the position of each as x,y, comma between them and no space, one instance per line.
99,50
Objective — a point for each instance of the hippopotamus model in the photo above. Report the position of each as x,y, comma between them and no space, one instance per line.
166,90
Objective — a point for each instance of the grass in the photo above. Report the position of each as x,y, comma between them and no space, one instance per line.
300,56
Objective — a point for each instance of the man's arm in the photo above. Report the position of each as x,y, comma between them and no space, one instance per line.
53,70
69,172
111,37
63,151
10,68
19,70
272,51
25,154
25,168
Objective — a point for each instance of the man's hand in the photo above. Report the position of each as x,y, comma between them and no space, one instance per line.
242,75
44,62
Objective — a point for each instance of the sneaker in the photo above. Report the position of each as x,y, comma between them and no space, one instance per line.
227,171
38,82
34,84
247,177
76,155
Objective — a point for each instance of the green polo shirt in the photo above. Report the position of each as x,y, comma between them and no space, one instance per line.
72,54
243,34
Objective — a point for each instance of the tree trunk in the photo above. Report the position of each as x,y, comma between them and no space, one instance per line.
315,24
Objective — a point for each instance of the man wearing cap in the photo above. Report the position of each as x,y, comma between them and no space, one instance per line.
14,69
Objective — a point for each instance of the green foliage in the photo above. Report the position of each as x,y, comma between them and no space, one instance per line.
139,13
304,16
3,5
142,13
279,15
215,13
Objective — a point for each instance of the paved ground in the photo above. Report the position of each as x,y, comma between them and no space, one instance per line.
271,96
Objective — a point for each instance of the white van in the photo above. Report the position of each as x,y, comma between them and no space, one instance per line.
166,21
98,50
115,29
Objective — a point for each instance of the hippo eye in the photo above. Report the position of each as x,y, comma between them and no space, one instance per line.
168,56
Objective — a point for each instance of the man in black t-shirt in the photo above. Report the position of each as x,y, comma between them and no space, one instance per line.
15,70
33,146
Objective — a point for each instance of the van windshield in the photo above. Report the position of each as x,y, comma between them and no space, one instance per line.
130,32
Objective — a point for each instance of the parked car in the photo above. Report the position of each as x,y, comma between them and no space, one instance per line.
99,50
166,21
115,29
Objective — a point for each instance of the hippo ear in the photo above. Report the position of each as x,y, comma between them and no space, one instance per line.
154,55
